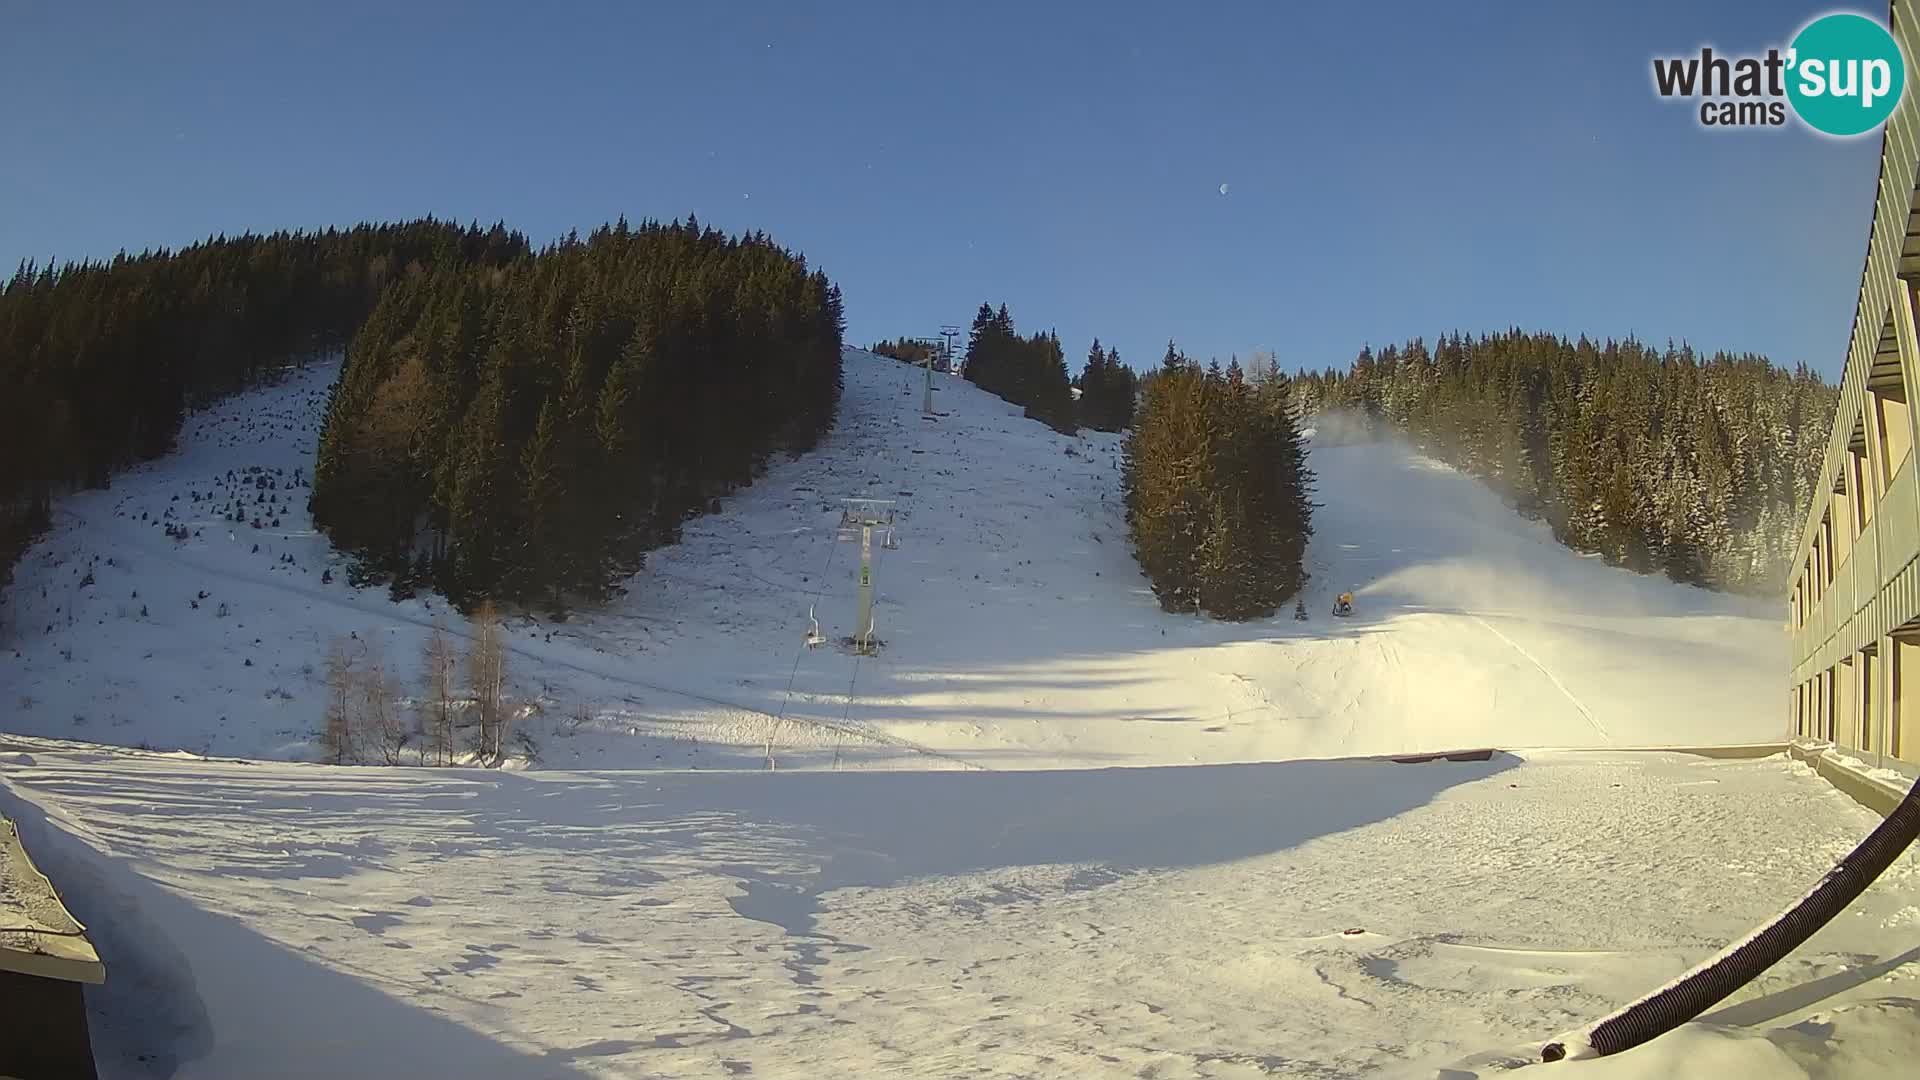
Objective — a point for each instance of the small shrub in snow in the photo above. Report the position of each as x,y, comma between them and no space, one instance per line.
529,750
487,668
438,662
381,714
337,735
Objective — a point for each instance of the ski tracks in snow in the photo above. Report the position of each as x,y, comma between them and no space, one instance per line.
1551,677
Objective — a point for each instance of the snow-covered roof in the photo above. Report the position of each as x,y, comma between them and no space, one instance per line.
38,936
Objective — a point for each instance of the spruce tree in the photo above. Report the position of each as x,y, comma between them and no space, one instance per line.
1217,493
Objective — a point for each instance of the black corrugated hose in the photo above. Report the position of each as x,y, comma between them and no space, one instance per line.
1693,993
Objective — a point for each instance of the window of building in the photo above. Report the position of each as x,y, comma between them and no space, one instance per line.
1841,537
1826,704
1864,716
1860,480
1895,428
1826,551
1903,705
1887,407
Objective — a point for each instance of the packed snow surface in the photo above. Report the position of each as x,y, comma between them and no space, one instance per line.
1311,918
945,875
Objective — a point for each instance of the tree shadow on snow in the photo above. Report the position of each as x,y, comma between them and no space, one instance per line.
809,831
876,829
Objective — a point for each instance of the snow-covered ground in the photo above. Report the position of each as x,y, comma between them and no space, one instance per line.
941,878
1018,631
1313,918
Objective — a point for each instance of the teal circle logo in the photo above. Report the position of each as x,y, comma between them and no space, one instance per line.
1845,74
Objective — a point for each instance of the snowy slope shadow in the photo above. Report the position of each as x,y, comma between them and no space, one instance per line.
397,897
877,829
784,837
171,964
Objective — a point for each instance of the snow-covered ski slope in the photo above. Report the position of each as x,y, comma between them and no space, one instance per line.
1018,631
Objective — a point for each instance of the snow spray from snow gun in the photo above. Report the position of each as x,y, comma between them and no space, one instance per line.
1733,967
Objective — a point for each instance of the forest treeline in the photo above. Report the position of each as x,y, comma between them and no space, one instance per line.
908,351
1217,489
525,432
1027,371
101,360
1024,371
1108,389
1662,460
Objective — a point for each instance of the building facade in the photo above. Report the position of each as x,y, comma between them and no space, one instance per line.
1854,597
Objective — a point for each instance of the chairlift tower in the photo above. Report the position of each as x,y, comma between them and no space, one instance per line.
951,332
926,405
859,518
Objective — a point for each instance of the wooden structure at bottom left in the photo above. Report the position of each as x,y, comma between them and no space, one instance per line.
46,963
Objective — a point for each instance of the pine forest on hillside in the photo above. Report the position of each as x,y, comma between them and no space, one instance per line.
1029,371
527,432
102,360
1108,389
1699,467
1218,490
525,426
1025,372
907,351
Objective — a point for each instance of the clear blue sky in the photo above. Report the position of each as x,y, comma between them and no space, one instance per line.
1393,169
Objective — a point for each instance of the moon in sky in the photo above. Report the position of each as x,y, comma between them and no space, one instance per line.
1223,189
